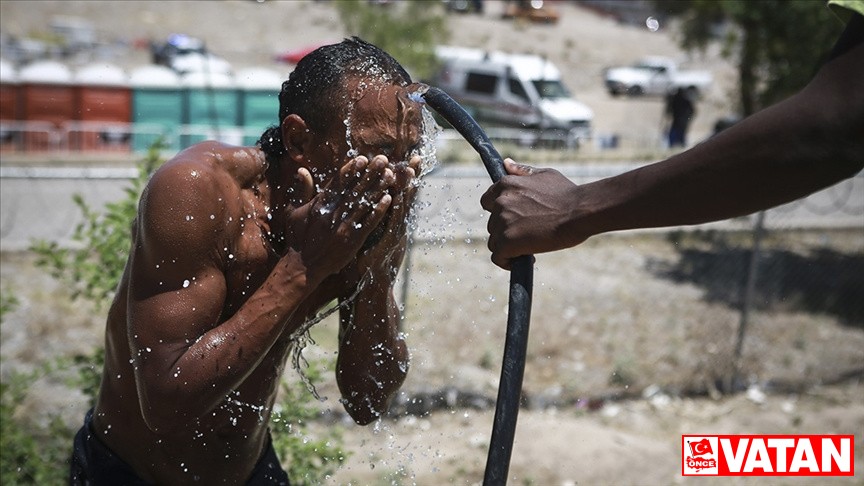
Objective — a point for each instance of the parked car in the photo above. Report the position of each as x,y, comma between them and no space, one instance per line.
463,6
293,56
656,76
513,90
533,10
186,54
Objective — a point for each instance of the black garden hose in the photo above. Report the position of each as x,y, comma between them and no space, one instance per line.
519,312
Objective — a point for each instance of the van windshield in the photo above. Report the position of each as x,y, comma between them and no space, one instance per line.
550,89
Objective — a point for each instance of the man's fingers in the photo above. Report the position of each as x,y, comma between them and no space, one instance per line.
405,175
487,200
415,163
353,169
514,168
506,262
501,262
378,212
307,184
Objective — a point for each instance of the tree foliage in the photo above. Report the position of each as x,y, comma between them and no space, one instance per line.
408,31
777,44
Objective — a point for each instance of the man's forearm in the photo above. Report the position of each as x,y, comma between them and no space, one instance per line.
796,147
204,372
778,155
373,355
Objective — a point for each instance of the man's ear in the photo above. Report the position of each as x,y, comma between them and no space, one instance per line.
296,137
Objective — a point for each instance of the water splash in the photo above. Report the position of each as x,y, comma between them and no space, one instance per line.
652,24
301,338
428,149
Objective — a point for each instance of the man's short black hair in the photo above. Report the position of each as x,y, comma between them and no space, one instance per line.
314,90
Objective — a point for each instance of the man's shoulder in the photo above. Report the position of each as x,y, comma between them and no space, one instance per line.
186,200
211,162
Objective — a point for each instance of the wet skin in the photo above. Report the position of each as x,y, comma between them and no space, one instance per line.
229,257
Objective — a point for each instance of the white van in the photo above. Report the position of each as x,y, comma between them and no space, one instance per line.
513,90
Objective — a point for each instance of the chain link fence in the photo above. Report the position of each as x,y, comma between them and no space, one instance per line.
773,300
778,295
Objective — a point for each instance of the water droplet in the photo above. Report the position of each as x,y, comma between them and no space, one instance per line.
652,24
185,283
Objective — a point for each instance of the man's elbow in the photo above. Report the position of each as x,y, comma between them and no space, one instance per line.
364,418
161,413
160,422
366,411
365,407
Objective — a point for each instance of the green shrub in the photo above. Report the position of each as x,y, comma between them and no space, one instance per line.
94,266
30,452
309,460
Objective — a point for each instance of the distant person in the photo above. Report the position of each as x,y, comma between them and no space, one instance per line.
805,143
233,251
680,109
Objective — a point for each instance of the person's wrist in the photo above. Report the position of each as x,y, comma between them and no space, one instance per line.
585,217
302,272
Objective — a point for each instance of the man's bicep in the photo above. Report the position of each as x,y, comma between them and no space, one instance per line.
177,288
173,308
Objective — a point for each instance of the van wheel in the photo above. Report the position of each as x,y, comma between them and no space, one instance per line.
571,142
635,91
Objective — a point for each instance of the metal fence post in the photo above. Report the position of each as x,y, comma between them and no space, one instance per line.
748,296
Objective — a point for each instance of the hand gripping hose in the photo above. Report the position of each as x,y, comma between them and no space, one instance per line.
519,313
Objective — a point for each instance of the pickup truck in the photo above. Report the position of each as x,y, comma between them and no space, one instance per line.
654,76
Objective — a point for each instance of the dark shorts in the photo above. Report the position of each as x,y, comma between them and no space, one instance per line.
94,464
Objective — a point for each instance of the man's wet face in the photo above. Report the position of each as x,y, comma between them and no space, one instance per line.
384,120
378,119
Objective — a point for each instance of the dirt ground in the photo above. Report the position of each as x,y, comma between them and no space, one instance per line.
606,323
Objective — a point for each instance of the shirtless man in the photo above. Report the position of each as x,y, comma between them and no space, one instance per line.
234,249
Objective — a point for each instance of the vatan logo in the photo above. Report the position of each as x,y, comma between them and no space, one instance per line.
699,455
